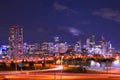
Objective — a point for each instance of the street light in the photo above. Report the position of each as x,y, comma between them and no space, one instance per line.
54,70
61,67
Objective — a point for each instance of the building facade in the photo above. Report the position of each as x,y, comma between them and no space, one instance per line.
15,41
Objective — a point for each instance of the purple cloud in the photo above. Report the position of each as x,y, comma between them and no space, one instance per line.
108,13
60,7
64,29
74,31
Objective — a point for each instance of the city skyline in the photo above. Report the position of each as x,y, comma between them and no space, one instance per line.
42,20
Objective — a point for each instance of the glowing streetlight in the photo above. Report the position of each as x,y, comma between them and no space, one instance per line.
61,67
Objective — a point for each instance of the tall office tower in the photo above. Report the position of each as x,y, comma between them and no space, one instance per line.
77,47
104,45
15,41
111,50
90,41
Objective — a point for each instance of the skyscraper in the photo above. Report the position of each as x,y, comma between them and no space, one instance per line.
104,45
15,41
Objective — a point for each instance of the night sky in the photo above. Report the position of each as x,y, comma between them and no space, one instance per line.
71,20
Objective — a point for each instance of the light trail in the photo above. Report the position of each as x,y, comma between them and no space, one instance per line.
27,72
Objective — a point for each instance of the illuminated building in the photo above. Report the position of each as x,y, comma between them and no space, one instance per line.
56,49
37,46
77,47
62,48
56,39
44,46
56,46
59,47
15,41
4,50
90,43
51,47
30,49
103,43
111,50
98,49
91,39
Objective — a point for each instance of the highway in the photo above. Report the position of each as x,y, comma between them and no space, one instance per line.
60,76
54,74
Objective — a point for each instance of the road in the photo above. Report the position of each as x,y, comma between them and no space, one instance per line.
48,75
56,74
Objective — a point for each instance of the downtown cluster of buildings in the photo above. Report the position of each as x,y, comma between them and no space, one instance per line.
17,47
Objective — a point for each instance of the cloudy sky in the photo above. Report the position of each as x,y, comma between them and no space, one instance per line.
71,20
